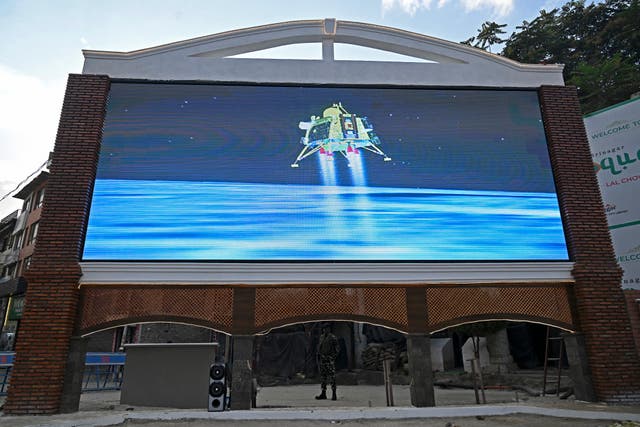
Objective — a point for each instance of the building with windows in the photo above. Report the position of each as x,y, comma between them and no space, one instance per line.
8,262
19,233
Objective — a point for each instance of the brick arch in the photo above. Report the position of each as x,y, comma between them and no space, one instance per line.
109,306
154,319
264,329
503,317
276,307
450,306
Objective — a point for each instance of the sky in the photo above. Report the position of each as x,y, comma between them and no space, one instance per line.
42,43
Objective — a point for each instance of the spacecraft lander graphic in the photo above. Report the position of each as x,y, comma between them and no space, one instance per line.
338,131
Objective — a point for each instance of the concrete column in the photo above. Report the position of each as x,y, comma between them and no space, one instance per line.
242,372
73,375
327,40
360,340
500,360
579,370
420,372
327,50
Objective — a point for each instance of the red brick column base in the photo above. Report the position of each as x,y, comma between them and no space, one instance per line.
600,306
633,308
50,312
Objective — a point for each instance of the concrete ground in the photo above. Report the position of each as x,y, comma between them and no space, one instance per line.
289,406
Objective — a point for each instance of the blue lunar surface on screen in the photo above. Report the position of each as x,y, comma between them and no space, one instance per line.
281,173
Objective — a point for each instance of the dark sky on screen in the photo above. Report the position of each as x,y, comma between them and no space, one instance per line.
448,139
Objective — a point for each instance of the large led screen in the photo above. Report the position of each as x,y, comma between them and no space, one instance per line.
225,172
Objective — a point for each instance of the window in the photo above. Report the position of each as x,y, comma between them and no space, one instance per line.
6,243
26,263
10,270
17,240
39,200
26,207
33,233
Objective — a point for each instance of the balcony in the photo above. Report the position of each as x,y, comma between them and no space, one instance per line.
9,256
21,221
12,286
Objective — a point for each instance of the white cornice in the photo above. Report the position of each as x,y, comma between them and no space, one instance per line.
210,58
194,273
211,40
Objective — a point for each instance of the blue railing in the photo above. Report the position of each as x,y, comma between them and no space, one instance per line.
103,371
6,363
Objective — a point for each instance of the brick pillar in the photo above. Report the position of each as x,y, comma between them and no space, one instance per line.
419,349
633,296
242,372
52,296
244,301
579,367
600,307
420,370
74,375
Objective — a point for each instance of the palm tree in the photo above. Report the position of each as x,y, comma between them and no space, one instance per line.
489,34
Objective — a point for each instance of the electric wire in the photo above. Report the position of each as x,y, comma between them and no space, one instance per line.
24,180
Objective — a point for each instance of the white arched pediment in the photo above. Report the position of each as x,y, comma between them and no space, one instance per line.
210,58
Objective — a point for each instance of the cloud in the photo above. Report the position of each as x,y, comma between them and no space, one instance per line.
552,4
498,7
407,6
29,114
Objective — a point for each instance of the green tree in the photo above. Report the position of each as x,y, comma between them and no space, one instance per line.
606,83
599,44
488,35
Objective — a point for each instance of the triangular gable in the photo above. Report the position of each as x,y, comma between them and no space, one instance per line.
209,58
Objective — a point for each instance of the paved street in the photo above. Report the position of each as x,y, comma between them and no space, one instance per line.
289,406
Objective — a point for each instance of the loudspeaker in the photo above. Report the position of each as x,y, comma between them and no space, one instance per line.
217,387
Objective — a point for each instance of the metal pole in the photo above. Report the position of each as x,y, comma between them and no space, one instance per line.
546,362
475,380
388,387
559,367
484,398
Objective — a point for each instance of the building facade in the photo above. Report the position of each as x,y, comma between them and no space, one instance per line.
18,247
77,295
8,260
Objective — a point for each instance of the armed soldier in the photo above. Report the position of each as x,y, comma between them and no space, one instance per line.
328,349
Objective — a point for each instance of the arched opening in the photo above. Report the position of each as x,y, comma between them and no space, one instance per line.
530,359
115,338
510,358
510,366
127,360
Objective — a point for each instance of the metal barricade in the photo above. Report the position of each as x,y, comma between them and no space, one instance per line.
103,371
6,363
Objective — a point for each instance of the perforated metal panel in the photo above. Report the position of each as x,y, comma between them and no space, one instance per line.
385,306
451,305
109,305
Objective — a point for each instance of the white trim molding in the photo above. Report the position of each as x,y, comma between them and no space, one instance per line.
215,273
210,58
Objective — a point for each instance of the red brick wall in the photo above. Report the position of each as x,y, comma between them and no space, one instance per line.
600,306
52,296
633,308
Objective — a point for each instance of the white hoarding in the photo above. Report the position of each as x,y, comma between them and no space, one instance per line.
614,138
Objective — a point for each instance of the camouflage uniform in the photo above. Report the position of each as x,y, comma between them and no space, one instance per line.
328,350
